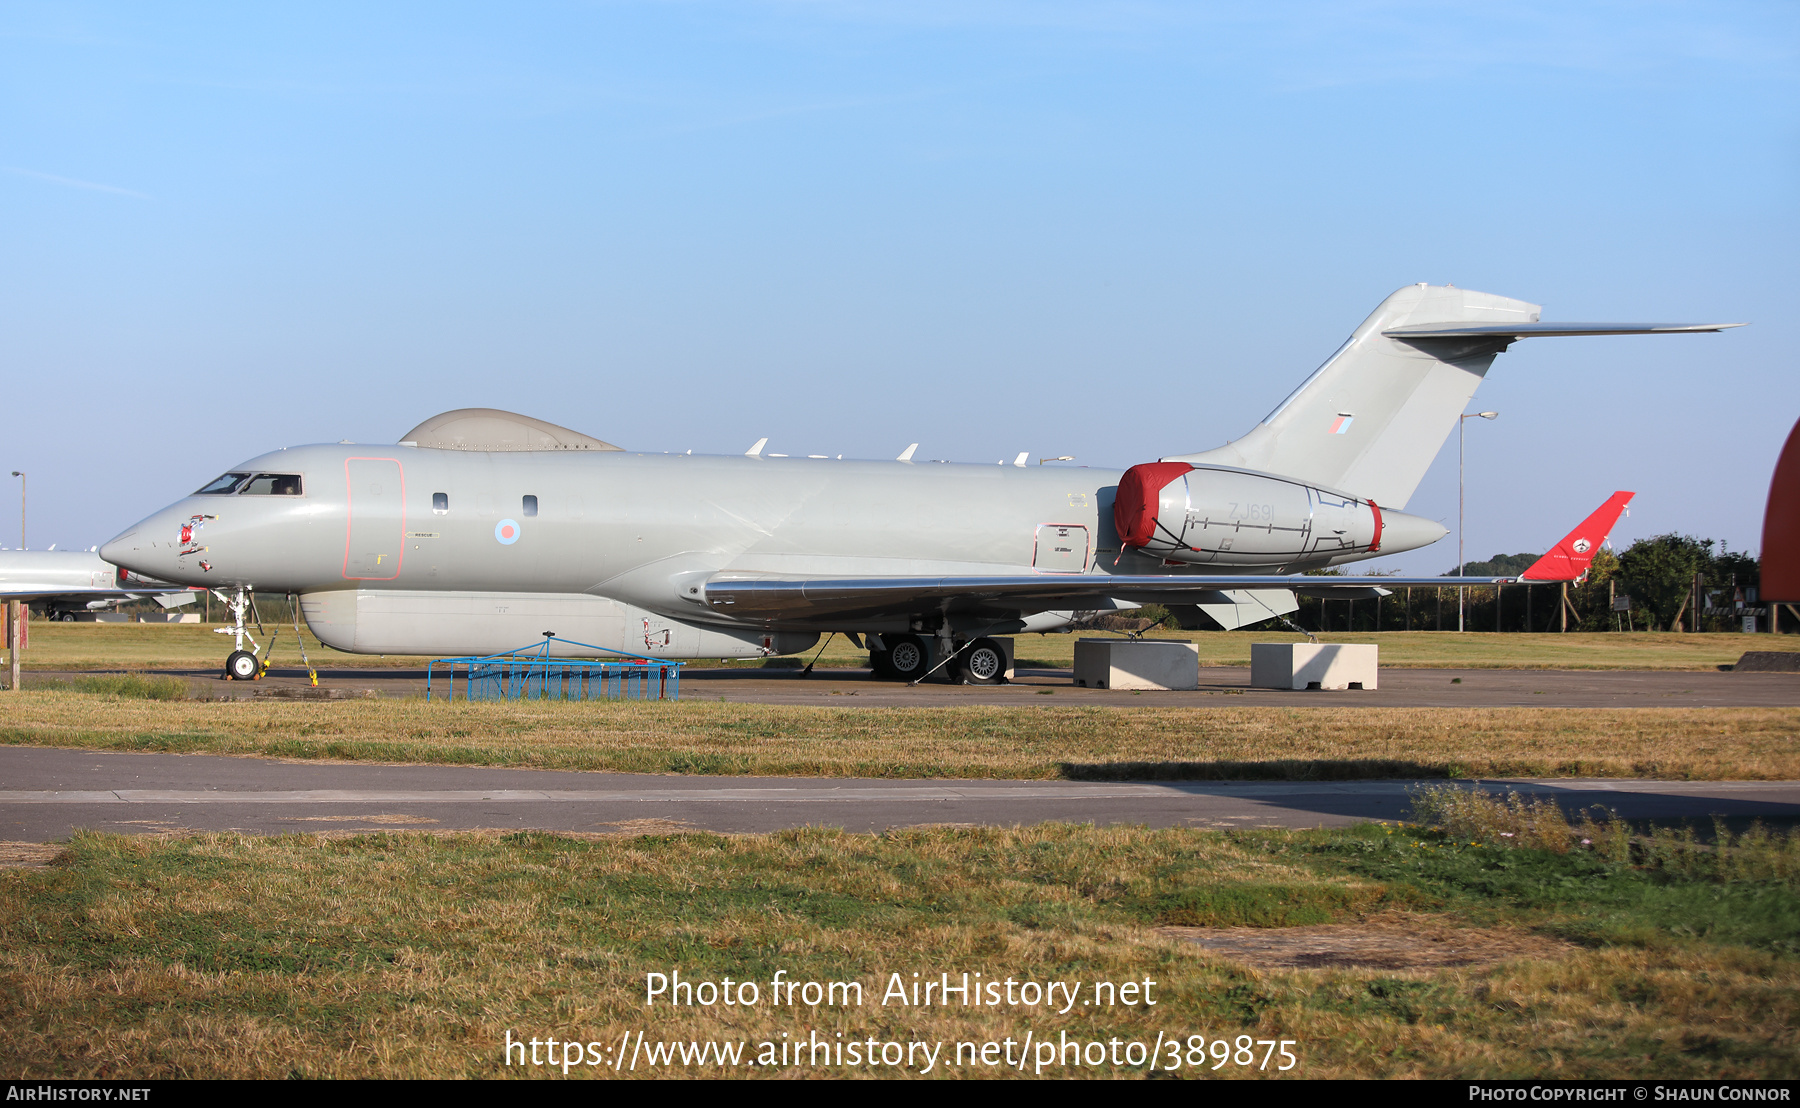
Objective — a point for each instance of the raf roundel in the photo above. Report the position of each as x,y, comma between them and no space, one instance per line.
1581,546
506,532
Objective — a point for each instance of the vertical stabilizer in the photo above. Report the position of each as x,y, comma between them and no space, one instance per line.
1569,559
1371,419
1781,526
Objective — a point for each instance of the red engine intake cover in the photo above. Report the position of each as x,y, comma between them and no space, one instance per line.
1135,505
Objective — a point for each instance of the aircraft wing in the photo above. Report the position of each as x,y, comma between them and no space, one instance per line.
760,597
28,590
787,597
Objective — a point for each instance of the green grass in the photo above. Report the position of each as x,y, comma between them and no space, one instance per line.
61,646
129,686
1045,739
413,955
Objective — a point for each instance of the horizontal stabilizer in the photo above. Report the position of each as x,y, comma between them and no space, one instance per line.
1571,557
1551,330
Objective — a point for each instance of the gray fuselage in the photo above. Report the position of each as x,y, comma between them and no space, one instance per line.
403,549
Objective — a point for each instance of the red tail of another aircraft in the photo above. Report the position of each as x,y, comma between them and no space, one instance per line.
1571,557
1781,526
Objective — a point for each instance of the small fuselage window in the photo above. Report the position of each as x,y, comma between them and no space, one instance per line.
529,506
440,503
253,484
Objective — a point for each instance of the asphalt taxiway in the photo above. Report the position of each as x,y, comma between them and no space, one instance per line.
1219,686
48,793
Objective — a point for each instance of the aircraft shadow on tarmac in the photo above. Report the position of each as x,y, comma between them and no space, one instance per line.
1737,804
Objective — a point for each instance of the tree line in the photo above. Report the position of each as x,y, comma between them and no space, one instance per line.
1657,574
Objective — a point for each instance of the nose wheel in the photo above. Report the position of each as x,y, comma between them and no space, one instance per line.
241,665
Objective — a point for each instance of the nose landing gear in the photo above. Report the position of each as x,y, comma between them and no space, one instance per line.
245,665
241,665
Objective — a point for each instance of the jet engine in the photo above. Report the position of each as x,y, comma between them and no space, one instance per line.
1203,515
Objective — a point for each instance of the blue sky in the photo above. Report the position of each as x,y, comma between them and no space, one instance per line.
1111,230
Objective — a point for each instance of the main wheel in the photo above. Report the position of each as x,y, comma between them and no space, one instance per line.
982,662
881,662
242,666
908,660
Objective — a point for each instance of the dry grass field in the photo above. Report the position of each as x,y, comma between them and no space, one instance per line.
1045,741
96,646
409,955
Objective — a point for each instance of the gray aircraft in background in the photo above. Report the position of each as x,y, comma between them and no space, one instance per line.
66,583
482,530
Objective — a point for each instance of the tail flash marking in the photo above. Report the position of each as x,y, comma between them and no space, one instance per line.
1342,423
1569,559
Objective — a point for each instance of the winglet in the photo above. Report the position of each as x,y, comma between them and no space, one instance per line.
756,451
1569,559
906,455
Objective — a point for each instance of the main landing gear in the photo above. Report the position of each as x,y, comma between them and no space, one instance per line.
909,658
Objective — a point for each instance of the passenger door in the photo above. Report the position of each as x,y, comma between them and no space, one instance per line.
374,540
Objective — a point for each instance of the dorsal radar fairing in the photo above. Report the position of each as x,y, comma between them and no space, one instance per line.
490,429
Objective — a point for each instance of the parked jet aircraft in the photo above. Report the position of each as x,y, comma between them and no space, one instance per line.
71,581
481,530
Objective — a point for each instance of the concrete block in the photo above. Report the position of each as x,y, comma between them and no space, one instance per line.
1140,664
102,617
1310,665
169,617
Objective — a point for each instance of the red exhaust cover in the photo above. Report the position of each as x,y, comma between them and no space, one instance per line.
1781,526
1135,504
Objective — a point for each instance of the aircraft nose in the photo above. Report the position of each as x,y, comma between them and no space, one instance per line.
145,548
117,548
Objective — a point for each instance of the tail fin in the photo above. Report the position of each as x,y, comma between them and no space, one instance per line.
1781,526
1371,419
1571,557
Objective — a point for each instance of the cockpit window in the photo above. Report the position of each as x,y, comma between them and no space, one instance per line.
258,484
224,485
272,484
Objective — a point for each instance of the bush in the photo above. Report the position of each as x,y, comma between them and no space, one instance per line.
1472,815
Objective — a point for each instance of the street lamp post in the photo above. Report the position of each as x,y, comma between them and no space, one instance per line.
14,624
1461,454
20,508
1064,458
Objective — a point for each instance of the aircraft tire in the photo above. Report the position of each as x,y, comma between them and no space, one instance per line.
908,660
881,662
241,666
982,662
